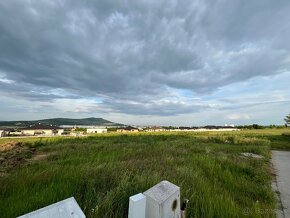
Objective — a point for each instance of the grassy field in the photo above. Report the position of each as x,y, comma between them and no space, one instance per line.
103,171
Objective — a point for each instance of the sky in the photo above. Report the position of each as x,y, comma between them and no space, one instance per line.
146,62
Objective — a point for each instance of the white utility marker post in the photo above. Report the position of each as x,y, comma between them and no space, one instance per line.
137,206
163,201
67,208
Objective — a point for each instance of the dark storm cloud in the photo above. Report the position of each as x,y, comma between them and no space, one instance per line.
139,50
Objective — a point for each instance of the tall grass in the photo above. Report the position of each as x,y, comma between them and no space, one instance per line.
102,172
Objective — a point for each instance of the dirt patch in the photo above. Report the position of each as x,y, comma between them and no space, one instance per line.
10,145
13,154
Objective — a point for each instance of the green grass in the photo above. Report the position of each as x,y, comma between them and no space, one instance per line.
103,171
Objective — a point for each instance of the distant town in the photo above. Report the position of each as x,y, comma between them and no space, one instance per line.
77,130
65,127
82,127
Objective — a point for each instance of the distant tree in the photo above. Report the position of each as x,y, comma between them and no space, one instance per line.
256,126
78,129
287,120
112,129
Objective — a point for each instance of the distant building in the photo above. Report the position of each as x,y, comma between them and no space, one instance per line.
217,129
88,126
2,133
128,129
14,132
77,134
97,130
42,130
155,129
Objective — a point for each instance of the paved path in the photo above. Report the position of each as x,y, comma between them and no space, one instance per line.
281,164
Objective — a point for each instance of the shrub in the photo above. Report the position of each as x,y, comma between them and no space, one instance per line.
38,143
287,134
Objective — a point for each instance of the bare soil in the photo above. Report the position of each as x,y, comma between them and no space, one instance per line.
12,155
10,145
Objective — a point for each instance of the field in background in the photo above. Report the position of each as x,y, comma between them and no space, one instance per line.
103,171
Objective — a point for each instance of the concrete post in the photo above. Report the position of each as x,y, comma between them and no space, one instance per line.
137,206
163,201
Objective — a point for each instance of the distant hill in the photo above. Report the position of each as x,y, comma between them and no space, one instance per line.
60,121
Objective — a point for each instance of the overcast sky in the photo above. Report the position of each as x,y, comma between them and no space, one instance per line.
165,62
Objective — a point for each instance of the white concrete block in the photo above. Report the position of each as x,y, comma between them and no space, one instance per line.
67,208
163,201
137,206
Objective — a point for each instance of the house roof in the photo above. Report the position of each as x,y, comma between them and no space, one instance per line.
129,128
41,127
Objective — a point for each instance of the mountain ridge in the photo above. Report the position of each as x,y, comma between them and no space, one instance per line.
90,121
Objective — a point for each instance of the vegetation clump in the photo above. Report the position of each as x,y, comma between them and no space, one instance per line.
287,120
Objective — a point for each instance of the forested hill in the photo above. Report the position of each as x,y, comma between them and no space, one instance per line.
61,121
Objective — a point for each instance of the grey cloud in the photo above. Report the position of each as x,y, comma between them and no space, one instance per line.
138,50
253,104
156,107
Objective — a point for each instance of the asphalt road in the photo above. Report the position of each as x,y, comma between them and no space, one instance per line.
281,164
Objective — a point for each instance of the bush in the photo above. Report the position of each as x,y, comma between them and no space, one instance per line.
35,144
287,134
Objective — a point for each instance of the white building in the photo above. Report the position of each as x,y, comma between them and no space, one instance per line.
97,130
2,133
156,129
42,130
